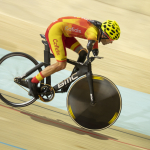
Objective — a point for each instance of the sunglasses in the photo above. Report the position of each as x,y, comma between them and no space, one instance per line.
107,37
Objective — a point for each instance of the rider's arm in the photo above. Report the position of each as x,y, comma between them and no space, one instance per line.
90,44
93,46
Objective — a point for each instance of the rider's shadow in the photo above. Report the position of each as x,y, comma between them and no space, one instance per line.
66,126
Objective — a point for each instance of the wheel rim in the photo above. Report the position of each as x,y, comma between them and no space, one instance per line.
11,66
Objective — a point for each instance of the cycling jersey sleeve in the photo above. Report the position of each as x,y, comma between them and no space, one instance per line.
95,45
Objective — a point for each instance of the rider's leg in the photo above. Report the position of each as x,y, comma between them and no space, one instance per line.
54,68
49,70
82,56
32,82
56,41
74,45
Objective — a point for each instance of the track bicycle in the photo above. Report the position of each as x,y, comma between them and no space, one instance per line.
93,101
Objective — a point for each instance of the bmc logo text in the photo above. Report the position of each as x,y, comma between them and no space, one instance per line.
68,80
72,29
56,46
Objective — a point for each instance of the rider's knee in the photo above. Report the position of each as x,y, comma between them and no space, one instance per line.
78,48
61,66
82,55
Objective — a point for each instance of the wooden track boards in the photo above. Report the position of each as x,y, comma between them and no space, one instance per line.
40,126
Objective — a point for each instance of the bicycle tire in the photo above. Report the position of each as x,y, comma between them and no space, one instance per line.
9,61
108,103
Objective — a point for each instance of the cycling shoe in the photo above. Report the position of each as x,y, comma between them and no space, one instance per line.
33,88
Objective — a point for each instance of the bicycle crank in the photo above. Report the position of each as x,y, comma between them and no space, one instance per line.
47,93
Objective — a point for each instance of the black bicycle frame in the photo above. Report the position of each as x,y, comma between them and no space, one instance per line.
83,69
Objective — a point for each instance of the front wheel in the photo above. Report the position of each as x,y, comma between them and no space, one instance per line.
108,103
15,65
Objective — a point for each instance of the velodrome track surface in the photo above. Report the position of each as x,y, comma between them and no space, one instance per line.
126,63
40,126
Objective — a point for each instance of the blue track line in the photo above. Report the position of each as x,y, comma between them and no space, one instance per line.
12,146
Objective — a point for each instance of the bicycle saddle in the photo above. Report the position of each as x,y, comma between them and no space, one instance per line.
43,36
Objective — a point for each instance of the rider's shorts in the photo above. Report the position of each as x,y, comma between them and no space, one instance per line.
58,42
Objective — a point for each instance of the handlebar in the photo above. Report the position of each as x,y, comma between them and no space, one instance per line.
90,59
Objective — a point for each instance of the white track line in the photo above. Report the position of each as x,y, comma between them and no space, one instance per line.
4,119
1,13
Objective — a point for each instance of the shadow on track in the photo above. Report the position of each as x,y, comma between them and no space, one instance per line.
66,126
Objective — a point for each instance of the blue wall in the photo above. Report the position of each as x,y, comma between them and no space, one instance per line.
135,113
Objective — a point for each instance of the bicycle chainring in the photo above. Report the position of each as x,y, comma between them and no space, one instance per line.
47,93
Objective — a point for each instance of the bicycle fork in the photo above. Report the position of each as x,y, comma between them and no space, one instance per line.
90,81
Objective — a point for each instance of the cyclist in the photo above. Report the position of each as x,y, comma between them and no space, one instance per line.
61,35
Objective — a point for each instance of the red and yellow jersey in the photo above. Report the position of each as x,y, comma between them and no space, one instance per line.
78,27
60,35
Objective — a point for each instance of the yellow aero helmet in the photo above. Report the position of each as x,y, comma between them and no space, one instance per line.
111,28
